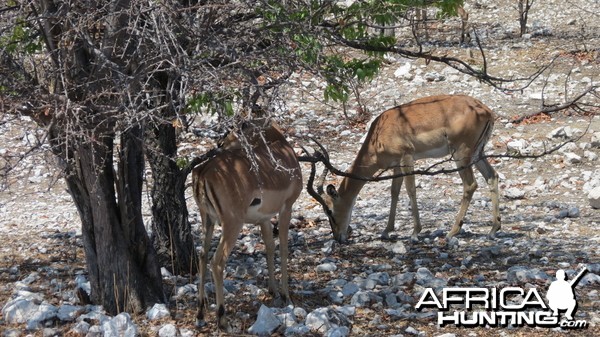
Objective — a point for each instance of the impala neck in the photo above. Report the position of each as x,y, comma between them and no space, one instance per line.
363,166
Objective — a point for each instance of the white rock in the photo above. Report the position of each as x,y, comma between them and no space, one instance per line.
514,193
266,322
19,310
403,71
81,328
318,320
593,198
69,313
572,158
120,326
168,330
158,311
45,312
326,267
589,155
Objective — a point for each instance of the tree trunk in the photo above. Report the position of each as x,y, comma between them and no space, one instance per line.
171,230
123,272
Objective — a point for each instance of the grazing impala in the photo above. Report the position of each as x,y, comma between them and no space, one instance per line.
250,180
429,127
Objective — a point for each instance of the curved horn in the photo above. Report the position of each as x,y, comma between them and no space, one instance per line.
311,179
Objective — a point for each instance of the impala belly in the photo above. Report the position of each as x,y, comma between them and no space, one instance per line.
432,144
266,205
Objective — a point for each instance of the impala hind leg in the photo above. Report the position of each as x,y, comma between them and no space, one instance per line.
284,224
469,187
209,226
411,189
226,244
491,177
395,190
267,235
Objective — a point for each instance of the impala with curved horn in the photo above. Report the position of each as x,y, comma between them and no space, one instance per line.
429,127
253,177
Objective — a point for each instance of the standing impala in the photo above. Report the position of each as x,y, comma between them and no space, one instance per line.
429,127
250,180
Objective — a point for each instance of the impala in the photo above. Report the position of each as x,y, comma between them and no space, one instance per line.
429,127
251,179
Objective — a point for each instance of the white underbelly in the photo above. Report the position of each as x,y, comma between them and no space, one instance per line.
254,215
432,153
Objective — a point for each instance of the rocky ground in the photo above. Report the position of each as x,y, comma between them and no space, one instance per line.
370,286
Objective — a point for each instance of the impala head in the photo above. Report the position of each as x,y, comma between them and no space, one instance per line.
337,211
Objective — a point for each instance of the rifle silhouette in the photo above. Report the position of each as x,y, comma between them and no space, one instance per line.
575,279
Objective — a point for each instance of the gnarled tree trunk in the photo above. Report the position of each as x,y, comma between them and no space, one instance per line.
123,271
171,230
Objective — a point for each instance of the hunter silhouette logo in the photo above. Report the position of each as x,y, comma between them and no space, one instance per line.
509,306
561,294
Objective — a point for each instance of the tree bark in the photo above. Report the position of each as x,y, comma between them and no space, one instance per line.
171,230
123,271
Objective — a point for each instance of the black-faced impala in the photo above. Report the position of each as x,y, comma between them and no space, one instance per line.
429,127
250,180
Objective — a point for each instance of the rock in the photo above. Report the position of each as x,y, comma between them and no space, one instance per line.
81,328
299,313
426,279
594,198
403,279
158,311
11,333
573,212
324,319
591,156
434,77
397,248
168,330
412,331
350,289
338,331
404,71
360,299
69,313
50,332
266,322
45,312
522,274
572,158
326,267
318,320
381,278
514,193
595,141
589,279
119,326
467,261
297,330
19,310
563,132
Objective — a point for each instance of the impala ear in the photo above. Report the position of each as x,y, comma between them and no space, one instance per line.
331,191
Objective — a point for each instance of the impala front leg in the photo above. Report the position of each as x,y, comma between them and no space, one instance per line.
267,234
411,189
395,190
